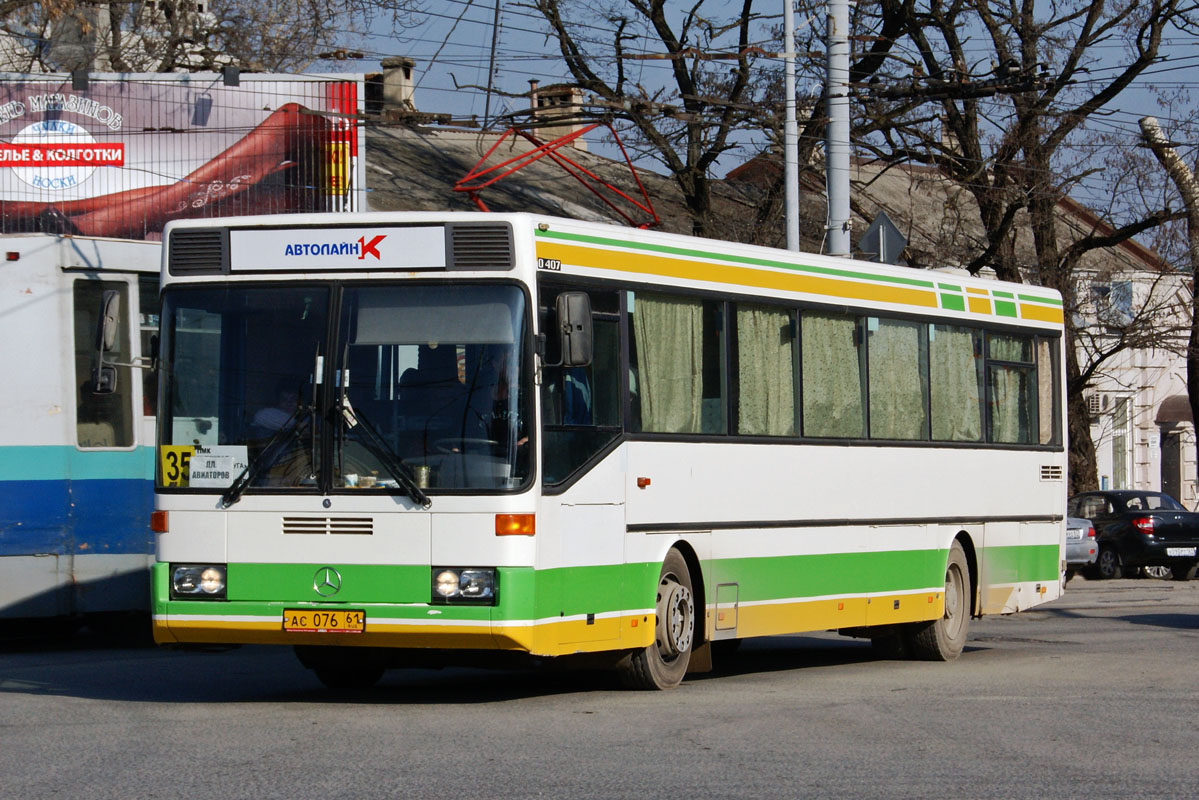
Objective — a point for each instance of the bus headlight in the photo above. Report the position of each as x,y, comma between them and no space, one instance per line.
198,581
463,585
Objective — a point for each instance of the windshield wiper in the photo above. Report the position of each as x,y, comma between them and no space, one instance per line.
265,458
379,449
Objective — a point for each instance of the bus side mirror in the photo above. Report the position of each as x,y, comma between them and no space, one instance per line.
108,326
574,328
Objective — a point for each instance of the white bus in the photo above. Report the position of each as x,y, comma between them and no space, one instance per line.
412,438
76,468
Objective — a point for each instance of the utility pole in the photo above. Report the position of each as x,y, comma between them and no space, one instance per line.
790,129
836,148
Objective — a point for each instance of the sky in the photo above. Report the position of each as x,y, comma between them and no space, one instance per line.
452,48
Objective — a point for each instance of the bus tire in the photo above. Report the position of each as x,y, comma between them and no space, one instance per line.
943,639
663,664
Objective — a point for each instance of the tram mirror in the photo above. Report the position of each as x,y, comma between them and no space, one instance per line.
574,326
104,380
108,324
110,320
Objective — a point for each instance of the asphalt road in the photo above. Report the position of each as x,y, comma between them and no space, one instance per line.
1092,696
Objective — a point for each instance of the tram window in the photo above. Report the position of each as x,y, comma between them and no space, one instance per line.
834,376
677,353
101,420
149,307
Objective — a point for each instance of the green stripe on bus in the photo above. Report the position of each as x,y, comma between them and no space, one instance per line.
1005,308
1028,298
953,302
404,591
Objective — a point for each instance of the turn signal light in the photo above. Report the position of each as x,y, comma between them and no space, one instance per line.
514,525
158,521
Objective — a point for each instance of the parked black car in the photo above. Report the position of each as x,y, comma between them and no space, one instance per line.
1140,529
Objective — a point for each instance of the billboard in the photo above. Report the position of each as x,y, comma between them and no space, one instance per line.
129,153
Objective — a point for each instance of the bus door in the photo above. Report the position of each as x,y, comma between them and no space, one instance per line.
584,502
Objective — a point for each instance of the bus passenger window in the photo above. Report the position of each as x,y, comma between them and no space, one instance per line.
956,383
677,347
833,376
765,370
1011,388
898,369
1046,396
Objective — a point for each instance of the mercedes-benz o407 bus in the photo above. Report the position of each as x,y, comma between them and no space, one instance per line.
403,438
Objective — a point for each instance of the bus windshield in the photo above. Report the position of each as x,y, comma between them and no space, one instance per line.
423,384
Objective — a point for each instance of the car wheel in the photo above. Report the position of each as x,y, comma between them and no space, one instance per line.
1069,575
1161,573
1184,570
1108,564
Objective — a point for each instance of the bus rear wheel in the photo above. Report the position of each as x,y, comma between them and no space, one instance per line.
663,664
943,639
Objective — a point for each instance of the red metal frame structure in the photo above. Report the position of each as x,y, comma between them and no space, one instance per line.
480,177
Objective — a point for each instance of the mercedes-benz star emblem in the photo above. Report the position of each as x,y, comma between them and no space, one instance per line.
326,582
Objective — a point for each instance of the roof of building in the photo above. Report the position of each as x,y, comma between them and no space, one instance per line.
416,168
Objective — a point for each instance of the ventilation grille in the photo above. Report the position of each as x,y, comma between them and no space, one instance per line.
1093,404
1051,472
361,526
481,246
197,250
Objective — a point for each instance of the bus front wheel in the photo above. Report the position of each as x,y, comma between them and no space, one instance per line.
943,639
663,664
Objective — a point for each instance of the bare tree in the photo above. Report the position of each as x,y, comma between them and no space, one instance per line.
998,97
691,117
1184,180
182,35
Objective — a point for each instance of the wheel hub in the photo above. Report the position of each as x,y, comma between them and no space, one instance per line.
678,626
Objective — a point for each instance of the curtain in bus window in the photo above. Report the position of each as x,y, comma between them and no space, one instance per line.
766,371
670,361
832,376
1011,390
956,385
1045,373
898,380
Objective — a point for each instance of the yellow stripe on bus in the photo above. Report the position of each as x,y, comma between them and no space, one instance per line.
563,637
1041,313
641,263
